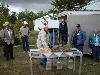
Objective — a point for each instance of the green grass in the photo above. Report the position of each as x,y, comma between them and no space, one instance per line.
20,66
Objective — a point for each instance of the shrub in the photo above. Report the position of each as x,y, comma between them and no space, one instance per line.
16,41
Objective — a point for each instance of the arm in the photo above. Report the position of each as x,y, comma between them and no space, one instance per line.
60,28
66,27
20,32
29,31
71,39
2,34
84,36
91,39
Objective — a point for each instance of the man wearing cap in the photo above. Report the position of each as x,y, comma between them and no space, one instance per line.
24,33
78,38
8,38
63,31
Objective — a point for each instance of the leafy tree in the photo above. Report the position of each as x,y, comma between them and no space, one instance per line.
26,15
30,16
4,13
12,18
61,5
40,14
4,9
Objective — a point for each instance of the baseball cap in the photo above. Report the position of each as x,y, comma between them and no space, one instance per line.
78,25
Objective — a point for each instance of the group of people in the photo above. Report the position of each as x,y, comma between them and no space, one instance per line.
7,35
47,40
77,38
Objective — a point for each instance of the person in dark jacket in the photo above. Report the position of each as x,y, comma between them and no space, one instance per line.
78,38
63,29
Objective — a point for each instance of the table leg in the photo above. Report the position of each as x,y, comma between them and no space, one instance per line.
80,67
31,70
74,64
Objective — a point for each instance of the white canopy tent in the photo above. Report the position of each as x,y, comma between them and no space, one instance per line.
51,23
39,22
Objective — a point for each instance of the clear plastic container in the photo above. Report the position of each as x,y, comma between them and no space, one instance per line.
59,65
48,65
70,64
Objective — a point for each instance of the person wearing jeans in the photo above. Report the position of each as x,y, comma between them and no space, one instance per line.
78,38
52,37
63,29
24,32
25,43
64,38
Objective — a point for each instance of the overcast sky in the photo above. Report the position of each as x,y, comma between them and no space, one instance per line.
32,5
37,5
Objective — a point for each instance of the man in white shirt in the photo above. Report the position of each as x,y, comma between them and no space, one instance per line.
43,38
43,42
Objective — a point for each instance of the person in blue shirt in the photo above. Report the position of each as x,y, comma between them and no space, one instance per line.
52,36
94,42
78,38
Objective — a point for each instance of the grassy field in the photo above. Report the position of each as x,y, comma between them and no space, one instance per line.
20,66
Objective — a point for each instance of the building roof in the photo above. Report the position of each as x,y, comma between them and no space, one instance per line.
78,13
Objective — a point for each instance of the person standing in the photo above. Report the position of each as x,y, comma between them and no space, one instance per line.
43,42
8,38
52,36
63,29
78,38
24,33
94,42
43,38
1,36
